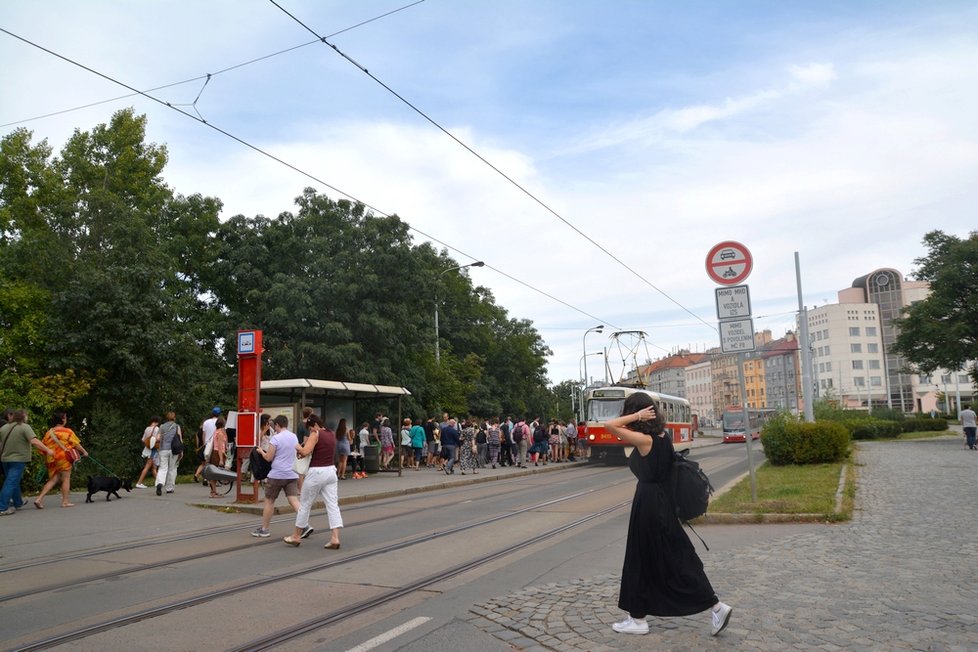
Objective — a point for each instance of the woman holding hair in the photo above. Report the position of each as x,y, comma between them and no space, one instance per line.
661,574
60,439
320,481
151,447
342,448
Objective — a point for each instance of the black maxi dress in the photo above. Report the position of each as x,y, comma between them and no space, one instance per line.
662,574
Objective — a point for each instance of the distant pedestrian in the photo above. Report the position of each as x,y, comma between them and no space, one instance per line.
418,436
61,440
430,428
969,423
386,443
493,439
449,442
219,450
342,448
468,449
205,441
151,450
281,453
661,574
16,439
166,475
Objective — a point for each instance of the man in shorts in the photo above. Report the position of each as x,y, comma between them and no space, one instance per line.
280,452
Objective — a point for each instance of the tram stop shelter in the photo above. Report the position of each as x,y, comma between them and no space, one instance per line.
332,400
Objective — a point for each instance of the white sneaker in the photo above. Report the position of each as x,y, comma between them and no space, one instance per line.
721,617
631,626
140,486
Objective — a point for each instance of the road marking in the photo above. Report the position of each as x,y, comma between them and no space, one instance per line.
389,635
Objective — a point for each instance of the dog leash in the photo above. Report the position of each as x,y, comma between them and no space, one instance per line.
102,466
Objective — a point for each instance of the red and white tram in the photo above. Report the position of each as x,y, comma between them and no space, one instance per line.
604,403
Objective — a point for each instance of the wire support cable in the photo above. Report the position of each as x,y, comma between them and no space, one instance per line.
505,176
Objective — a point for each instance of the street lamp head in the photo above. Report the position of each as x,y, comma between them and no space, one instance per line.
478,264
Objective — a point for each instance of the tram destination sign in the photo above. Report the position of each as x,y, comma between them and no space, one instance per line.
737,335
733,302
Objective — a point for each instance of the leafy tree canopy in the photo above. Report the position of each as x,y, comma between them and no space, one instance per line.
942,330
119,296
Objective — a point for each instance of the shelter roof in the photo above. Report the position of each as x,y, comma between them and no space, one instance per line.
337,388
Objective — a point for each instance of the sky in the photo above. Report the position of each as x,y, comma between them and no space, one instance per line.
625,138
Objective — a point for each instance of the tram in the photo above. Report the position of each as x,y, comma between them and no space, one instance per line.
733,423
604,403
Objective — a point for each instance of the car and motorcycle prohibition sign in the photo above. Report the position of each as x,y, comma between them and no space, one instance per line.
729,263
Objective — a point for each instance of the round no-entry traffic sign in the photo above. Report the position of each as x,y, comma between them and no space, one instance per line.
729,263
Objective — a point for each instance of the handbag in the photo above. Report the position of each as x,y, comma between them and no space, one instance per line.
71,454
176,446
301,464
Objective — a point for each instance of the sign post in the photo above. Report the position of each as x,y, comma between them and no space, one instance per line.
728,263
249,387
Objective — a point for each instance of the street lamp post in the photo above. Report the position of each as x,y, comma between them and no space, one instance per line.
596,329
440,274
581,401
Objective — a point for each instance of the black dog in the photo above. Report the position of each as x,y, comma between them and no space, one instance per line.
110,485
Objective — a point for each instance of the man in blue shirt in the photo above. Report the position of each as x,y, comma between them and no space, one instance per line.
449,443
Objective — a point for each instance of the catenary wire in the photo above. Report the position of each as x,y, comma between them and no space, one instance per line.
207,77
494,168
294,168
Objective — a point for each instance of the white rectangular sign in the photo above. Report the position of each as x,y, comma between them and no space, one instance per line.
733,302
737,335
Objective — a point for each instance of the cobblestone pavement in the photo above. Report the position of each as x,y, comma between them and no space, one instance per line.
900,576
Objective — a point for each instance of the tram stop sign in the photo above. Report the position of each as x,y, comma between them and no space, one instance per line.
729,263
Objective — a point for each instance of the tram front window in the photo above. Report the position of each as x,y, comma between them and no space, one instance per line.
733,422
604,410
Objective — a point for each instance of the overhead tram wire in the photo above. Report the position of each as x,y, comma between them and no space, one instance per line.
207,77
494,168
292,167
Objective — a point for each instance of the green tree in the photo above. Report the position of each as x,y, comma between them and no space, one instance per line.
942,330
100,292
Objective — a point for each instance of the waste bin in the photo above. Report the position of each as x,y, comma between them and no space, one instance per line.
371,458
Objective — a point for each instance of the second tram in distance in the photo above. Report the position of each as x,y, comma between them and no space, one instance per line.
604,403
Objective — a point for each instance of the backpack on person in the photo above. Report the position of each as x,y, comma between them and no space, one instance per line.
691,490
518,432
260,467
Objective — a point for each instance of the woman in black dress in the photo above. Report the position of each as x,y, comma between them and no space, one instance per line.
661,575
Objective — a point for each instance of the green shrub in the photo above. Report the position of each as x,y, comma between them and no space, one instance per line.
889,414
924,424
788,441
866,427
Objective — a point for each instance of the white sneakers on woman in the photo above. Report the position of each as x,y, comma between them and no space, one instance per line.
631,626
721,617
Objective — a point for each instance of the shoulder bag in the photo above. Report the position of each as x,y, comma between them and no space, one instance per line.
71,454
176,444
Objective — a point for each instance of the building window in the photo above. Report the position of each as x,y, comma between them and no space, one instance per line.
963,378
821,351
857,364
870,331
946,378
872,347
825,333
821,367
874,364
828,350
875,381
853,331
828,366
858,381
855,347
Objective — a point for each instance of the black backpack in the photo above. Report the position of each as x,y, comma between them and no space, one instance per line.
260,467
691,487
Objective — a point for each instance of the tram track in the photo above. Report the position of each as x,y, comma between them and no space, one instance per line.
216,531
216,594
